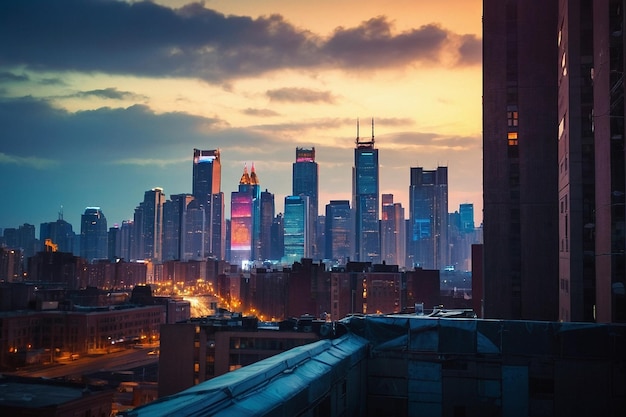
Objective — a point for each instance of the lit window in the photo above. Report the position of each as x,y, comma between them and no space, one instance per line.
512,118
512,136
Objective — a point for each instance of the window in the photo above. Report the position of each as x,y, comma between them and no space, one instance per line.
512,137
512,118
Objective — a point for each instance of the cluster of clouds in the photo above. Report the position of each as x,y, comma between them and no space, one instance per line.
143,38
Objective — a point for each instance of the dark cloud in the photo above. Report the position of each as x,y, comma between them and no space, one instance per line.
7,76
301,95
147,39
109,93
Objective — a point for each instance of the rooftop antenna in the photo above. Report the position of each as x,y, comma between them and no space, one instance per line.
357,130
372,130
61,213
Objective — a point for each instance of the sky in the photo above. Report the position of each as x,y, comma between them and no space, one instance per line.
102,100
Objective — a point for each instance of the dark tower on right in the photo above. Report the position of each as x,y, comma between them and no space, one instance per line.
520,159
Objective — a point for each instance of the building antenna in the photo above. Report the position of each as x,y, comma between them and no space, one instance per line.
357,130
61,213
372,130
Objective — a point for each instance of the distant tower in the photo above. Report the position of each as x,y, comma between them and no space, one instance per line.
338,222
365,197
93,234
305,182
242,213
207,180
392,229
267,219
296,227
153,224
427,244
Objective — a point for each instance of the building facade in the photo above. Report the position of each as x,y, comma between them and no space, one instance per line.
296,228
427,245
520,159
339,236
305,181
365,200
93,234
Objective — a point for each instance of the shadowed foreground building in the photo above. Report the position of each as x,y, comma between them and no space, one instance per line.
404,365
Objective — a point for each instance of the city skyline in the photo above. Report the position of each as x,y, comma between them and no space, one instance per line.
98,127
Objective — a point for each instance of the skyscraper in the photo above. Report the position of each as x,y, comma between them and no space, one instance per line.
427,245
392,232
242,218
520,159
267,219
610,177
365,197
174,216
296,228
305,182
153,224
338,231
60,232
206,188
93,234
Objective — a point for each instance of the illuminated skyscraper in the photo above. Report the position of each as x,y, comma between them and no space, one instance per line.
428,219
245,218
305,182
338,222
93,234
365,197
296,227
267,219
207,180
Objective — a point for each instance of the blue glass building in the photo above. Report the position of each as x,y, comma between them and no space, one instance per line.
296,228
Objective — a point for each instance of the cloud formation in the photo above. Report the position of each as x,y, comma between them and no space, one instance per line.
146,39
301,95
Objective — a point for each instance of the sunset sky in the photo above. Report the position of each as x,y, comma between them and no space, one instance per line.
103,100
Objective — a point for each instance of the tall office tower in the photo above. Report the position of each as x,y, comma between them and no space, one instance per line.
267,219
194,231
576,191
125,240
93,234
365,192
296,227
174,217
241,221
112,238
278,238
610,176
206,188
153,224
520,164
255,189
427,243
339,233
320,236
392,232
60,232
137,240
466,214
305,182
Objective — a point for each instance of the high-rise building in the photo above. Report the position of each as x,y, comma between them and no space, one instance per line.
520,159
125,240
296,228
338,231
267,219
610,177
206,188
174,216
392,232
242,212
466,213
365,197
576,176
153,224
305,182
93,234
60,232
427,240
